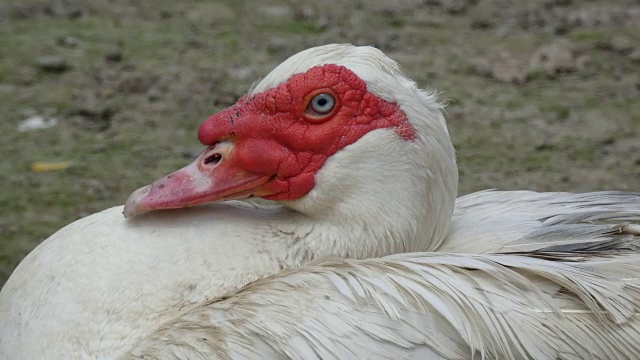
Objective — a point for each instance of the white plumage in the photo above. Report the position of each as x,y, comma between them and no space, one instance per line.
515,275
408,305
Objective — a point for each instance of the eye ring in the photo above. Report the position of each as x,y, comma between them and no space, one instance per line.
321,105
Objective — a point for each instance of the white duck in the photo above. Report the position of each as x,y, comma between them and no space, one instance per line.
362,166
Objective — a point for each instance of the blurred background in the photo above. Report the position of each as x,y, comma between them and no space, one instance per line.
98,98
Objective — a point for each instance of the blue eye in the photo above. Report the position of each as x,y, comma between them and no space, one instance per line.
322,103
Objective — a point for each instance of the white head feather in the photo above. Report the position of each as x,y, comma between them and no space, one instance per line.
350,186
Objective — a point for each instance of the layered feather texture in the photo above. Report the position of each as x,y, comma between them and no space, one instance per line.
561,297
514,221
405,306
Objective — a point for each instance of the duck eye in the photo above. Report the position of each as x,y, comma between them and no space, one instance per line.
322,104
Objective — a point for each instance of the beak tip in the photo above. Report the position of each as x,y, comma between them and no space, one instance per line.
132,205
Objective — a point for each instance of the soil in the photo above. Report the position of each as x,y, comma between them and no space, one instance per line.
542,95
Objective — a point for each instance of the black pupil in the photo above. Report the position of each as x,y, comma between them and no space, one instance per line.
322,102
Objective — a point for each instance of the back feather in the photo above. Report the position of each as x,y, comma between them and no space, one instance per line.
555,276
542,305
515,221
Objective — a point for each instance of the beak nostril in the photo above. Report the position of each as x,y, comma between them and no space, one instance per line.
213,159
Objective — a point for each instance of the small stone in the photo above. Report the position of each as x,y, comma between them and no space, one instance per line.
37,123
196,43
482,67
562,26
75,14
505,68
622,45
455,7
608,140
135,84
69,41
482,24
561,56
52,63
154,94
305,13
114,55
322,23
93,117
619,44
543,146
635,55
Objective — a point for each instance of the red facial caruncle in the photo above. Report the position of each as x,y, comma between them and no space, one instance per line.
271,144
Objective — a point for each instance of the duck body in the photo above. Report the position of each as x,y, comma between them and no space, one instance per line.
93,296
156,295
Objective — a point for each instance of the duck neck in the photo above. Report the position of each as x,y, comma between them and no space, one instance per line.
360,208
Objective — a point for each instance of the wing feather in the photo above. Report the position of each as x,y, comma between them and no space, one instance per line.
449,305
512,221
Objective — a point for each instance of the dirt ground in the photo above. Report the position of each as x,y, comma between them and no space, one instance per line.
543,95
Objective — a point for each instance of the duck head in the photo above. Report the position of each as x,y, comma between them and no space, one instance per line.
333,132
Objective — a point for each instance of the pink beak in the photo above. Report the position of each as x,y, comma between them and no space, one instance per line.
213,176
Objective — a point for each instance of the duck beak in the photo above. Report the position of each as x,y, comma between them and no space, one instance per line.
213,176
